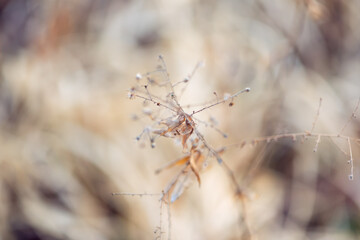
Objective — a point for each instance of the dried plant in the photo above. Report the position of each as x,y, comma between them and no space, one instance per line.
169,119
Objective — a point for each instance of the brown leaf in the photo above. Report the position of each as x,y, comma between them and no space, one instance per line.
196,160
184,138
177,162
178,185
194,163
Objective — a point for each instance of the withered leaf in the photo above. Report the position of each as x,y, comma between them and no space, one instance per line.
196,160
177,162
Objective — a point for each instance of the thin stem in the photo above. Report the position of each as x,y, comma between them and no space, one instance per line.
213,152
169,218
189,77
168,80
155,71
293,136
317,116
152,95
217,103
244,219
340,149
351,117
200,104
148,93
211,126
351,162
239,194
157,103
317,143
136,194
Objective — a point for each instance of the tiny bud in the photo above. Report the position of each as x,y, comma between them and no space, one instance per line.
130,95
153,145
247,89
158,104
137,138
351,177
186,79
231,104
227,96
138,76
349,161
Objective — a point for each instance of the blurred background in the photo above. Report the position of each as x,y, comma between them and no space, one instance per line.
67,128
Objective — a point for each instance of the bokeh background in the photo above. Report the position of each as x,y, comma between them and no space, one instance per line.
67,128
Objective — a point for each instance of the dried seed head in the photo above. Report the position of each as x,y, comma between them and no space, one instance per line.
138,76
131,95
227,96
152,141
